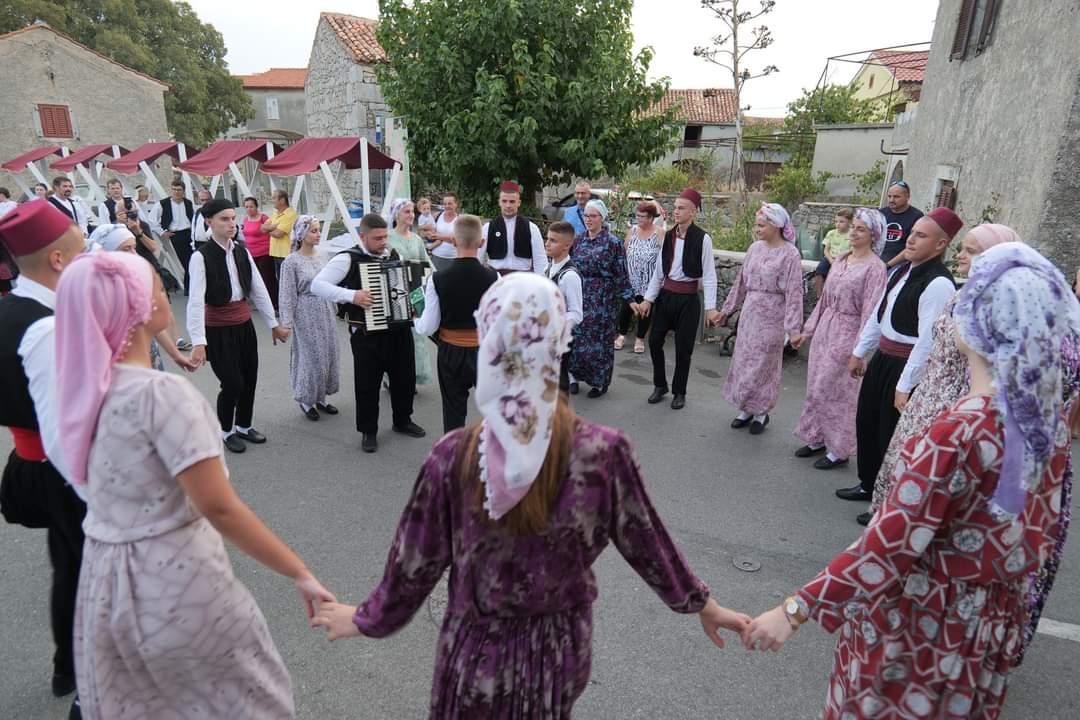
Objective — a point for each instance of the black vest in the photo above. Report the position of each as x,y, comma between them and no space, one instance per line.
129,205
166,212
351,281
905,312
219,288
17,314
460,288
496,238
64,206
691,254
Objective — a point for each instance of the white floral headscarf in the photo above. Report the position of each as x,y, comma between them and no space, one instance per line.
300,229
1017,310
523,336
396,207
875,221
776,215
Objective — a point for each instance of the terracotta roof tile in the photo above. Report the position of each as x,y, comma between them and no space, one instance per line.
276,78
358,35
709,106
905,66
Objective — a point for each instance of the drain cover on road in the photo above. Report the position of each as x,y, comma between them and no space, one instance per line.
746,564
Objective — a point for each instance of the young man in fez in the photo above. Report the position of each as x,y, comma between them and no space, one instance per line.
375,353
33,493
512,243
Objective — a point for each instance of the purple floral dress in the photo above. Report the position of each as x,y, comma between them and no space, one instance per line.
516,642
601,261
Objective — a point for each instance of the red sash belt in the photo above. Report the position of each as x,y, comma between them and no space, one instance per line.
682,287
28,444
505,271
235,313
466,338
895,349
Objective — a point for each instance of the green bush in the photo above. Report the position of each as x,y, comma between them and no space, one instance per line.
792,184
735,237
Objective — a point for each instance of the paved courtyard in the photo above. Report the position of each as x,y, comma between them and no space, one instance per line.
728,499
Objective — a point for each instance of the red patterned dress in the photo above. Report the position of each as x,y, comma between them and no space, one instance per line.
931,600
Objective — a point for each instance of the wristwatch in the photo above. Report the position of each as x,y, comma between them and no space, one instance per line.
796,615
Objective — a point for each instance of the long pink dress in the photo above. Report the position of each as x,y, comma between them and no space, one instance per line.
852,292
769,289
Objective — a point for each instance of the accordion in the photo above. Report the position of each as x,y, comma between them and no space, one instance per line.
397,291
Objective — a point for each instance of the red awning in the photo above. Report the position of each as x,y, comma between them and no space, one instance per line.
82,155
215,159
305,156
19,164
129,164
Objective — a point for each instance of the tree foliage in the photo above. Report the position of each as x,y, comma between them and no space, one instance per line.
821,106
162,39
534,90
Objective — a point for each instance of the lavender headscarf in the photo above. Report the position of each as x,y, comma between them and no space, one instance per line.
300,229
395,208
775,214
876,222
1016,310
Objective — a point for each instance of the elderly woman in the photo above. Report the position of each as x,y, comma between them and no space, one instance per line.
852,290
600,260
411,247
642,248
313,363
490,502
932,598
769,290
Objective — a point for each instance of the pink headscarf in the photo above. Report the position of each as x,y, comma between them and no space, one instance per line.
99,301
988,235
777,216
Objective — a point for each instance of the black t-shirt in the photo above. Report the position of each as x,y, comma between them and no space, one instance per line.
897,228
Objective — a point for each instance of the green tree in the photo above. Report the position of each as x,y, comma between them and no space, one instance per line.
162,39
534,90
821,106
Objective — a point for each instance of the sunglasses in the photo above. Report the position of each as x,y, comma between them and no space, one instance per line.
901,184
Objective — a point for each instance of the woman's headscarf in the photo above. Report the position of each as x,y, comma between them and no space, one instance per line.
109,237
523,333
395,208
99,301
876,222
300,229
776,215
599,206
988,235
1016,309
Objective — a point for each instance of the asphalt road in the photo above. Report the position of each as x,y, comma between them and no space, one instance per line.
725,496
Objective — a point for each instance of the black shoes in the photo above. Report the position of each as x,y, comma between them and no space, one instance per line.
62,684
368,443
327,408
75,713
412,430
574,389
740,423
758,427
806,451
251,436
311,414
854,493
826,463
658,394
864,518
234,444
596,392
678,402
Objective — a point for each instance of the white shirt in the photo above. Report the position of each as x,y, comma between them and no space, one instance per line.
150,212
570,286
445,249
539,260
37,349
103,212
179,217
196,307
7,206
429,323
200,231
708,271
326,283
79,208
932,301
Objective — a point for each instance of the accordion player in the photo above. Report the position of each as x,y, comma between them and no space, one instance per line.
396,288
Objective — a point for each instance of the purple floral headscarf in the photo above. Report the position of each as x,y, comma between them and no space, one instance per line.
1017,310
523,336
876,222
775,214
300,230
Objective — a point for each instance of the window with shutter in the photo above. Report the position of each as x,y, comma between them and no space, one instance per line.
55,121
986,27
272,112
946,196
963,29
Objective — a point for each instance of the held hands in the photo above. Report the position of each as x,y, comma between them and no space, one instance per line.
714,318
901,400
722,320
363,298
198,356
642,308
715,618
314,594
337,619
280,334
856,367
769,630
185,362
797,341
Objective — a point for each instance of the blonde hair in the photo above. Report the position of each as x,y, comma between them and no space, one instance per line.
467,231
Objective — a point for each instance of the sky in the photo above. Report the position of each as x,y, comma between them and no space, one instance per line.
260,34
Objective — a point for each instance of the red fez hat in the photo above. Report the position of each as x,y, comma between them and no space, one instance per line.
693,196
32,226
947,220
509,186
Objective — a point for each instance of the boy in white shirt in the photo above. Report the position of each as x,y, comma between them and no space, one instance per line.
561,270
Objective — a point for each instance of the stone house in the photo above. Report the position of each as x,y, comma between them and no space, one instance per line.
342,95
998,128
847,150
60,92
893,77
280,106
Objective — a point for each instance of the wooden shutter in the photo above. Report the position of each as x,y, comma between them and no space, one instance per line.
55,121
963,29
987,27
946,196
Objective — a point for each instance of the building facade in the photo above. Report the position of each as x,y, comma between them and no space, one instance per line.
893,78
847,151
280,106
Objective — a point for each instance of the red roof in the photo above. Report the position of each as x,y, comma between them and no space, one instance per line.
149,152
708,106
83,156
19,164
905,66
304,156
358,35
215,159
276,79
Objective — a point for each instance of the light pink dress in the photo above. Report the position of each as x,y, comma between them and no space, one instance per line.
851,294
769,289
162,627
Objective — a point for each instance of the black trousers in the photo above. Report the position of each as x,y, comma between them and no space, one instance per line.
626,315
682,314
457,375
388,352
876,415
233,352
181,242
35,495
